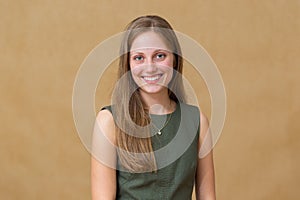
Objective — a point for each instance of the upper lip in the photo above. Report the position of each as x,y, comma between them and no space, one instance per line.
150,76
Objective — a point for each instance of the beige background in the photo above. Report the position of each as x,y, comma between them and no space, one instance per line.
254,43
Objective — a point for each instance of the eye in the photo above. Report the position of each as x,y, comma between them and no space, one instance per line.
138,58
160,56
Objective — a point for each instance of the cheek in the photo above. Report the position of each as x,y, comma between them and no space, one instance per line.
166,68
168,62
131,64
135,70
133,67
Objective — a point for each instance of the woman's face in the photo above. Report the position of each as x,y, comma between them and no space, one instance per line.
151,62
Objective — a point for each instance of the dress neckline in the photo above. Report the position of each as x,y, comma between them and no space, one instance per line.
167,114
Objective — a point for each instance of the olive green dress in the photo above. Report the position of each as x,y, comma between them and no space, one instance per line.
176,153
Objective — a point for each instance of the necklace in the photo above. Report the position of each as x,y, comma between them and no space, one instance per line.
160,129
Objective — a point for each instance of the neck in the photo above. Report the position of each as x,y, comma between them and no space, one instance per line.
158,103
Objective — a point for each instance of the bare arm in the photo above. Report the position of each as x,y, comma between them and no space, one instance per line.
103,173
205,178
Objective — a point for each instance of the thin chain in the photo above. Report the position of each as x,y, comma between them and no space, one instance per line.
159,130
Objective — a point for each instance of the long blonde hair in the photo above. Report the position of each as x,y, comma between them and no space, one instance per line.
135,110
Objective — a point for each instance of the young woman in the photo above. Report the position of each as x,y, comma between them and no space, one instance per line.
157,135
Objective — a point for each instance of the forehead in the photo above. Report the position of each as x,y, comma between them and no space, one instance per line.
149,40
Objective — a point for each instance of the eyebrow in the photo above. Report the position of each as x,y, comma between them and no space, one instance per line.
156,50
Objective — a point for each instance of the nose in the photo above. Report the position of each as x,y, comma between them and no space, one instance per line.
150,66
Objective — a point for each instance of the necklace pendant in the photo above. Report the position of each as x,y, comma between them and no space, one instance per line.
159,132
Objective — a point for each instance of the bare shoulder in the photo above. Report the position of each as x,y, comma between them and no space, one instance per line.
204,126
105,121
204,121
105,117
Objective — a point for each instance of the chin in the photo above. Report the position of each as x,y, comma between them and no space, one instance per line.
153,89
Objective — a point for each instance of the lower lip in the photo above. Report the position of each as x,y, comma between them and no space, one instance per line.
152,81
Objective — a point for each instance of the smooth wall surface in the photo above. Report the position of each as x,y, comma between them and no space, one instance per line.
254,43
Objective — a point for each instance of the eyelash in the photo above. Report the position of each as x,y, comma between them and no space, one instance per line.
137,58
158,56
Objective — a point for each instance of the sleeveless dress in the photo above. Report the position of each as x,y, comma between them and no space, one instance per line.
176,154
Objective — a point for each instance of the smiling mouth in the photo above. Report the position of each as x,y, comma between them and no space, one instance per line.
152,78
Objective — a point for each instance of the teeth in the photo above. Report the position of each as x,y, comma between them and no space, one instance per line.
152,78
